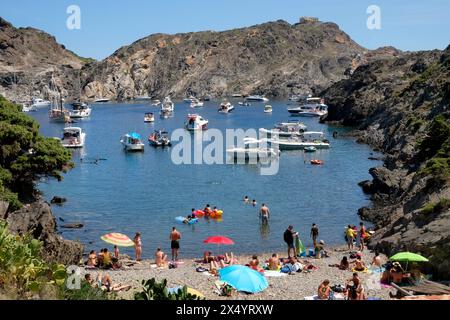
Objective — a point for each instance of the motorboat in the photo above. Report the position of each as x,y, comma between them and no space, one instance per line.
80,110
257,98
316,162
159,138
307,139
314,107
285,129
101,100
132,142
236,95
310,149
252,151
196,103
142,98
267,108
156,102
28,108
190,99
149,117
245,104
226,107
40,103
73,137
167,105
295,97
195,122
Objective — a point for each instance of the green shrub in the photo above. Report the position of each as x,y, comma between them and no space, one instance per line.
152,290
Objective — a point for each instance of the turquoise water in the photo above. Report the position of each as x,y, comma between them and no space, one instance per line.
146,191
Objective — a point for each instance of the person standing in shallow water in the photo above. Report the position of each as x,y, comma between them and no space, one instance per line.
175,237
314,234
264,213
138,246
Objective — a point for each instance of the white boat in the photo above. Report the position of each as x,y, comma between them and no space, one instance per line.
252,151
73,137
314,107
57,112
257,98
285,129
243,103
80,110
159,138
307,139
149,117
267,108
142,98
195,122
132,142
167,105
190,99
226,107
26,108
101,100
156,102
196,103
236,95
39,103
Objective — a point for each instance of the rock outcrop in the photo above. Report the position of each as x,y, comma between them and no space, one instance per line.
37,218
394,104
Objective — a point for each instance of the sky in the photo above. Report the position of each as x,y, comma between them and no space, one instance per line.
108,25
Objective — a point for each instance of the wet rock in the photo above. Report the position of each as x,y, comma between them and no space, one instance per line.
72,226
58,200
38,219
367,186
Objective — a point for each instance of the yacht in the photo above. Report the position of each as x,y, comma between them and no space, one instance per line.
196,103
190,99
142,98
167,105
156,102
257,98
149,117
73,137
285,129
307,139
58,113
236,95
80,110
159,138
226,107
252,151
195,122
267,108
101,100
132,142
39,103
314,107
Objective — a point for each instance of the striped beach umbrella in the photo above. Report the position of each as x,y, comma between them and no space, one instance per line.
118,239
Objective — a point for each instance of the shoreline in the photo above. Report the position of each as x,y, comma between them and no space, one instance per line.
286,287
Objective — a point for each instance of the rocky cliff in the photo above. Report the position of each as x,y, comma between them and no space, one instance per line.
400,106
274,58
37,219
28,59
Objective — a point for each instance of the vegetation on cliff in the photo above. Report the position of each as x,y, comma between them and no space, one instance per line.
25,155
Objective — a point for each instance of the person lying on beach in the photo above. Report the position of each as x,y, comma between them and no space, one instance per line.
294,265
343,265
92,259
105,283
254,264
324,290
359,264
274,262
160,258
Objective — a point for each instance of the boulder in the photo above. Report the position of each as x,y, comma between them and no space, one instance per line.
367,186
38,220
72,225
58,200
384,180
3,209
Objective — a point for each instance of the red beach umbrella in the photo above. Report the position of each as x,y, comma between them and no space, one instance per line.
219,240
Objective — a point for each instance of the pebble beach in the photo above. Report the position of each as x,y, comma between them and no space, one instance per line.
287,287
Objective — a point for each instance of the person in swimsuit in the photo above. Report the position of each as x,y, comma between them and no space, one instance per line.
207,210
350,237
116,252
138,246
246,199
274,262
362,236
175,237
254,203
377,260
107,259
359,264
160,258
314,234
264,213
324,290
92,259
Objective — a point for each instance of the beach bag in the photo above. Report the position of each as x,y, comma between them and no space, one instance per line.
200,269
172,265
338,288
285,269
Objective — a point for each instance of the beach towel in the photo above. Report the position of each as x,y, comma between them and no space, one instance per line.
299,247
273,273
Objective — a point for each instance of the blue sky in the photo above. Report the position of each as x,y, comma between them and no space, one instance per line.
108,25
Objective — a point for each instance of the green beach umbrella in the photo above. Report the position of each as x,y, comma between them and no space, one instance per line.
408,257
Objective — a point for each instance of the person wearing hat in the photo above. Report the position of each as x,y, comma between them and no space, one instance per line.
320,250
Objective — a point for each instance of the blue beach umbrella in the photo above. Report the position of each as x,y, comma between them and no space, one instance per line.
243,278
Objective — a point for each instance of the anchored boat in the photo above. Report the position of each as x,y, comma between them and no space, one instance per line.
196,122
73,137
132,142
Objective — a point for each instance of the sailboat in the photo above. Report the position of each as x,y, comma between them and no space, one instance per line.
57,111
